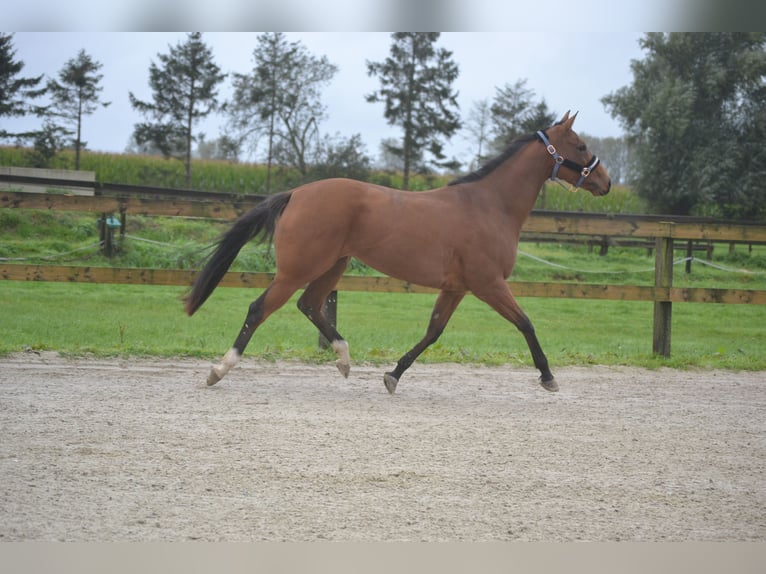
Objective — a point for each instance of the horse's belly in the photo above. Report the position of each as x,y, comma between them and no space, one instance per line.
420,267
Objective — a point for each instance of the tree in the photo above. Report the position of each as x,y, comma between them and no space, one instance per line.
416,88
16,92
46,143
515,113
143,148
341,157
616,155
695,115
478,127
388,161
76,94
224,147
281,99
184,90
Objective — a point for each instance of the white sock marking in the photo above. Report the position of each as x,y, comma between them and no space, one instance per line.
344,359
230,359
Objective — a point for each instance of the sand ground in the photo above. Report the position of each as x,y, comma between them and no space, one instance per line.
142,450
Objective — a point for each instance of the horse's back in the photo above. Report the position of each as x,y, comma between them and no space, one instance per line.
396,232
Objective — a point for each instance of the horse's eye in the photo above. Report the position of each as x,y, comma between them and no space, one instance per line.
582,147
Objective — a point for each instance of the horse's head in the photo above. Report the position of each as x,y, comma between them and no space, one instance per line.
573,162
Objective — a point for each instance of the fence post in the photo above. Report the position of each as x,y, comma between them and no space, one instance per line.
102,231
663,310
106,226
330,310
123,222
105,235
689,254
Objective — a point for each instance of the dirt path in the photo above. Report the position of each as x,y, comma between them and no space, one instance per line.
111,450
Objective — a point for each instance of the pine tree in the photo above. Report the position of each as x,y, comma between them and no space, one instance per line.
416,87
16,92
184,89
76,94
515,113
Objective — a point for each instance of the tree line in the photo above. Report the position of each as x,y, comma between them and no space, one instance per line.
695,114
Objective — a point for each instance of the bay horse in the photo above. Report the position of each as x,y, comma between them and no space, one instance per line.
459,238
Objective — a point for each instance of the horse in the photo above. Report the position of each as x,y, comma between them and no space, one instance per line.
459,238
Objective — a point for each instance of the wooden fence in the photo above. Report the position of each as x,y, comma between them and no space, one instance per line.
659,229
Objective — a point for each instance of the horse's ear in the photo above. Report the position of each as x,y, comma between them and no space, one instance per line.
568,120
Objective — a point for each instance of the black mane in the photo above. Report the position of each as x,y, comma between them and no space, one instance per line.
492,164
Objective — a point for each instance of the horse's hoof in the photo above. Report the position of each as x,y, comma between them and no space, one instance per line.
549,384
390,382
344,368
213,378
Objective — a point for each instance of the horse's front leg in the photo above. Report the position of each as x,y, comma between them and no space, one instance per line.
499,297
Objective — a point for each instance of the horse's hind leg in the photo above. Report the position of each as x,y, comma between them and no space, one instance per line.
311,303
270,300
445,306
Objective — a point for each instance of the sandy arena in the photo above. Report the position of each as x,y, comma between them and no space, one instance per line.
142,450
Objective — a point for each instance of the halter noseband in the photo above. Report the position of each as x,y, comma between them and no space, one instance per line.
585,170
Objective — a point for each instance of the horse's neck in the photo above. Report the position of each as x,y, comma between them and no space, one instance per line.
518,181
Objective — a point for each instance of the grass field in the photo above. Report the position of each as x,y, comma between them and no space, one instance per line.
138,320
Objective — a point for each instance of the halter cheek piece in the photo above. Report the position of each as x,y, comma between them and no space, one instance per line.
585,170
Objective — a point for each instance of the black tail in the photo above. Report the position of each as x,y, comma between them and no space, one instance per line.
261,220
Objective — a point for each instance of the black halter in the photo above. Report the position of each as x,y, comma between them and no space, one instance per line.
585,170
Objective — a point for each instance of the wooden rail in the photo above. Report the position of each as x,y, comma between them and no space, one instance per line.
569,223
132,204
659,229
180,277
38,180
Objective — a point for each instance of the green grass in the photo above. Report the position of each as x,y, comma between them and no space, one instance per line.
743,269
127,320
176,243
137,320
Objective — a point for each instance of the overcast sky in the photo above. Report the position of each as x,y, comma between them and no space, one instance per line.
571,71
571,52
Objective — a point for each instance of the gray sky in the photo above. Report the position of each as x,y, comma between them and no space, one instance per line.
571,71
571,52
